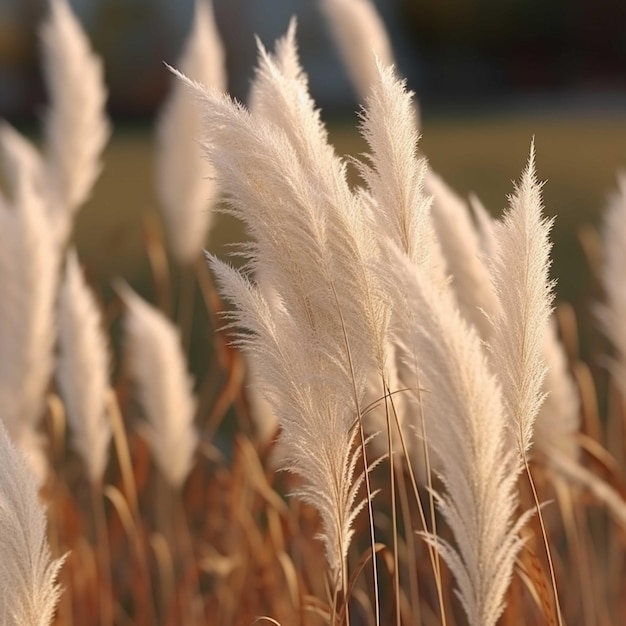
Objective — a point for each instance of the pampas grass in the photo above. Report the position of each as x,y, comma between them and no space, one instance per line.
467,428
163,386
612,314
75,125
460,245
360,36
362,309
520,274
28,588
83,370
184,180
28,269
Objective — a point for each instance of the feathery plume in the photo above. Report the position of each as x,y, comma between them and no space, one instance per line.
558,420
319,240
311,243
485,225
520,274
361,36
28,279
612,315
76,127
471,280
28,589
393,173
304,388
164,388
185,181
462,405
83,370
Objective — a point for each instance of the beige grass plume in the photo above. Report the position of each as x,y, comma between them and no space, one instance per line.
316,417
284,181
393,173
28,280
360,36
558,420
76,127
520,271
612,314
185,181
83,370
164,387
466,426
465,262
28,589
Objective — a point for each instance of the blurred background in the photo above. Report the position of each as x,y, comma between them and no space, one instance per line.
489,74
455,54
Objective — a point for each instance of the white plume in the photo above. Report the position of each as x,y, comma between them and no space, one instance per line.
163,386
28,280
76,127
28,589
520,273
83,370
465,425
185,181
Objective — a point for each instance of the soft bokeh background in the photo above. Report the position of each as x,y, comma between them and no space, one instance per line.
489,74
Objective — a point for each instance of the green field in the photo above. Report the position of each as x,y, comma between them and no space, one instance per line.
577,156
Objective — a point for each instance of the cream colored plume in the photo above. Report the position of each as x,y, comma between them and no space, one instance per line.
558,420
392,171
76,127
163,386
520,271
28,280
466,427
313,346
309,392
28,589
612,314
471,281
361,37
83,370
185,181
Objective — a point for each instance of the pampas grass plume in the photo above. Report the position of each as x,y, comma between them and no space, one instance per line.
28,589
28,275
360,36
164,387
467,429
520,271
185,181
83,370
76,127
612,314
464,260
